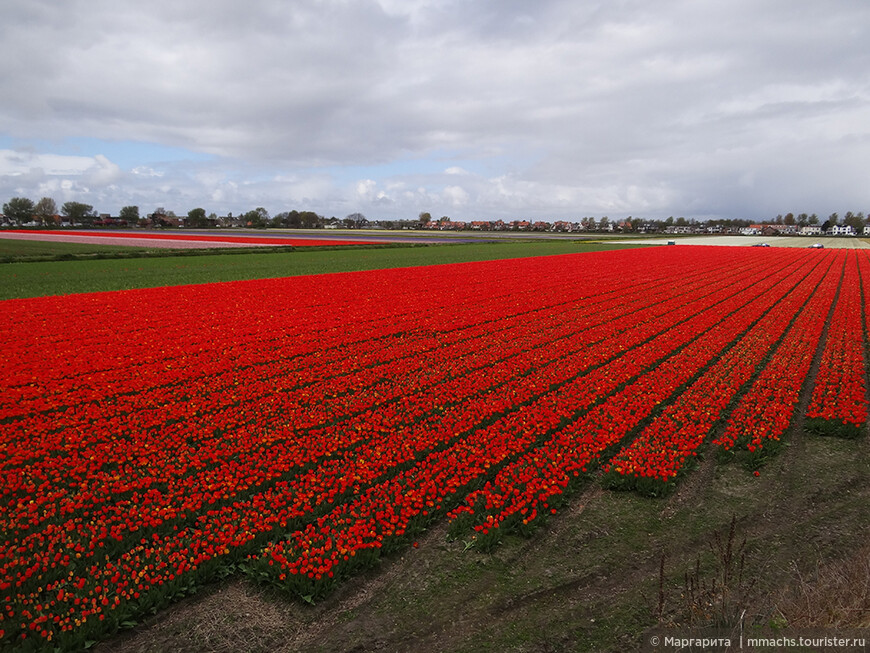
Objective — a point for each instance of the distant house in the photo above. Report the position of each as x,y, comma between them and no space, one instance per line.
841,230
106,220
762,230
162,218
811,230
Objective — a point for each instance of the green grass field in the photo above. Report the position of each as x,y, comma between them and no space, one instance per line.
36,279
36,250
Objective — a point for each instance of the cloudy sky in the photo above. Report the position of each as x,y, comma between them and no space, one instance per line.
468,108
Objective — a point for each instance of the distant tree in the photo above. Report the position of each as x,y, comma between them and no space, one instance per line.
833,219
159,218
813,219
130,214
19,210
289,219
855,221
258,218
425,218
788,219
45,210
197,218
803,219
681,222
356,220
604,224
77,212
310,220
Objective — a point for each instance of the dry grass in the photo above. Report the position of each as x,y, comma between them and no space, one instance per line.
833,595
236,617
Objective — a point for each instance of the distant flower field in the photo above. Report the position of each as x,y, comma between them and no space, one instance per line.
179,239
298,428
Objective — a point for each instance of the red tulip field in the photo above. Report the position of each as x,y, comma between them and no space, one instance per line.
297,429
179,239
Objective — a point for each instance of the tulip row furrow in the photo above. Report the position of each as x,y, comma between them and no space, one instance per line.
191,427
163,392
522,488
128,511
343,466
317,550
839,400
766,410
662,449
152,463
308,327
199,360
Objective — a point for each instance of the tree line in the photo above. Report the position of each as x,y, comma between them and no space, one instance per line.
24,211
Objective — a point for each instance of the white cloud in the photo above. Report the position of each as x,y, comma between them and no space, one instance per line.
103,172
456,195
15,163
366,189
146,171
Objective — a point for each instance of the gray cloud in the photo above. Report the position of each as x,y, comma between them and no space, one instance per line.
556,108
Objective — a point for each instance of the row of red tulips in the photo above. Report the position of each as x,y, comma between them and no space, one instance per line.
105,461
839,401
309,561
159,470
661,450
767,409
525,488
129,514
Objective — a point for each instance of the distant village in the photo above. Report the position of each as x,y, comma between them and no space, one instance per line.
22,212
